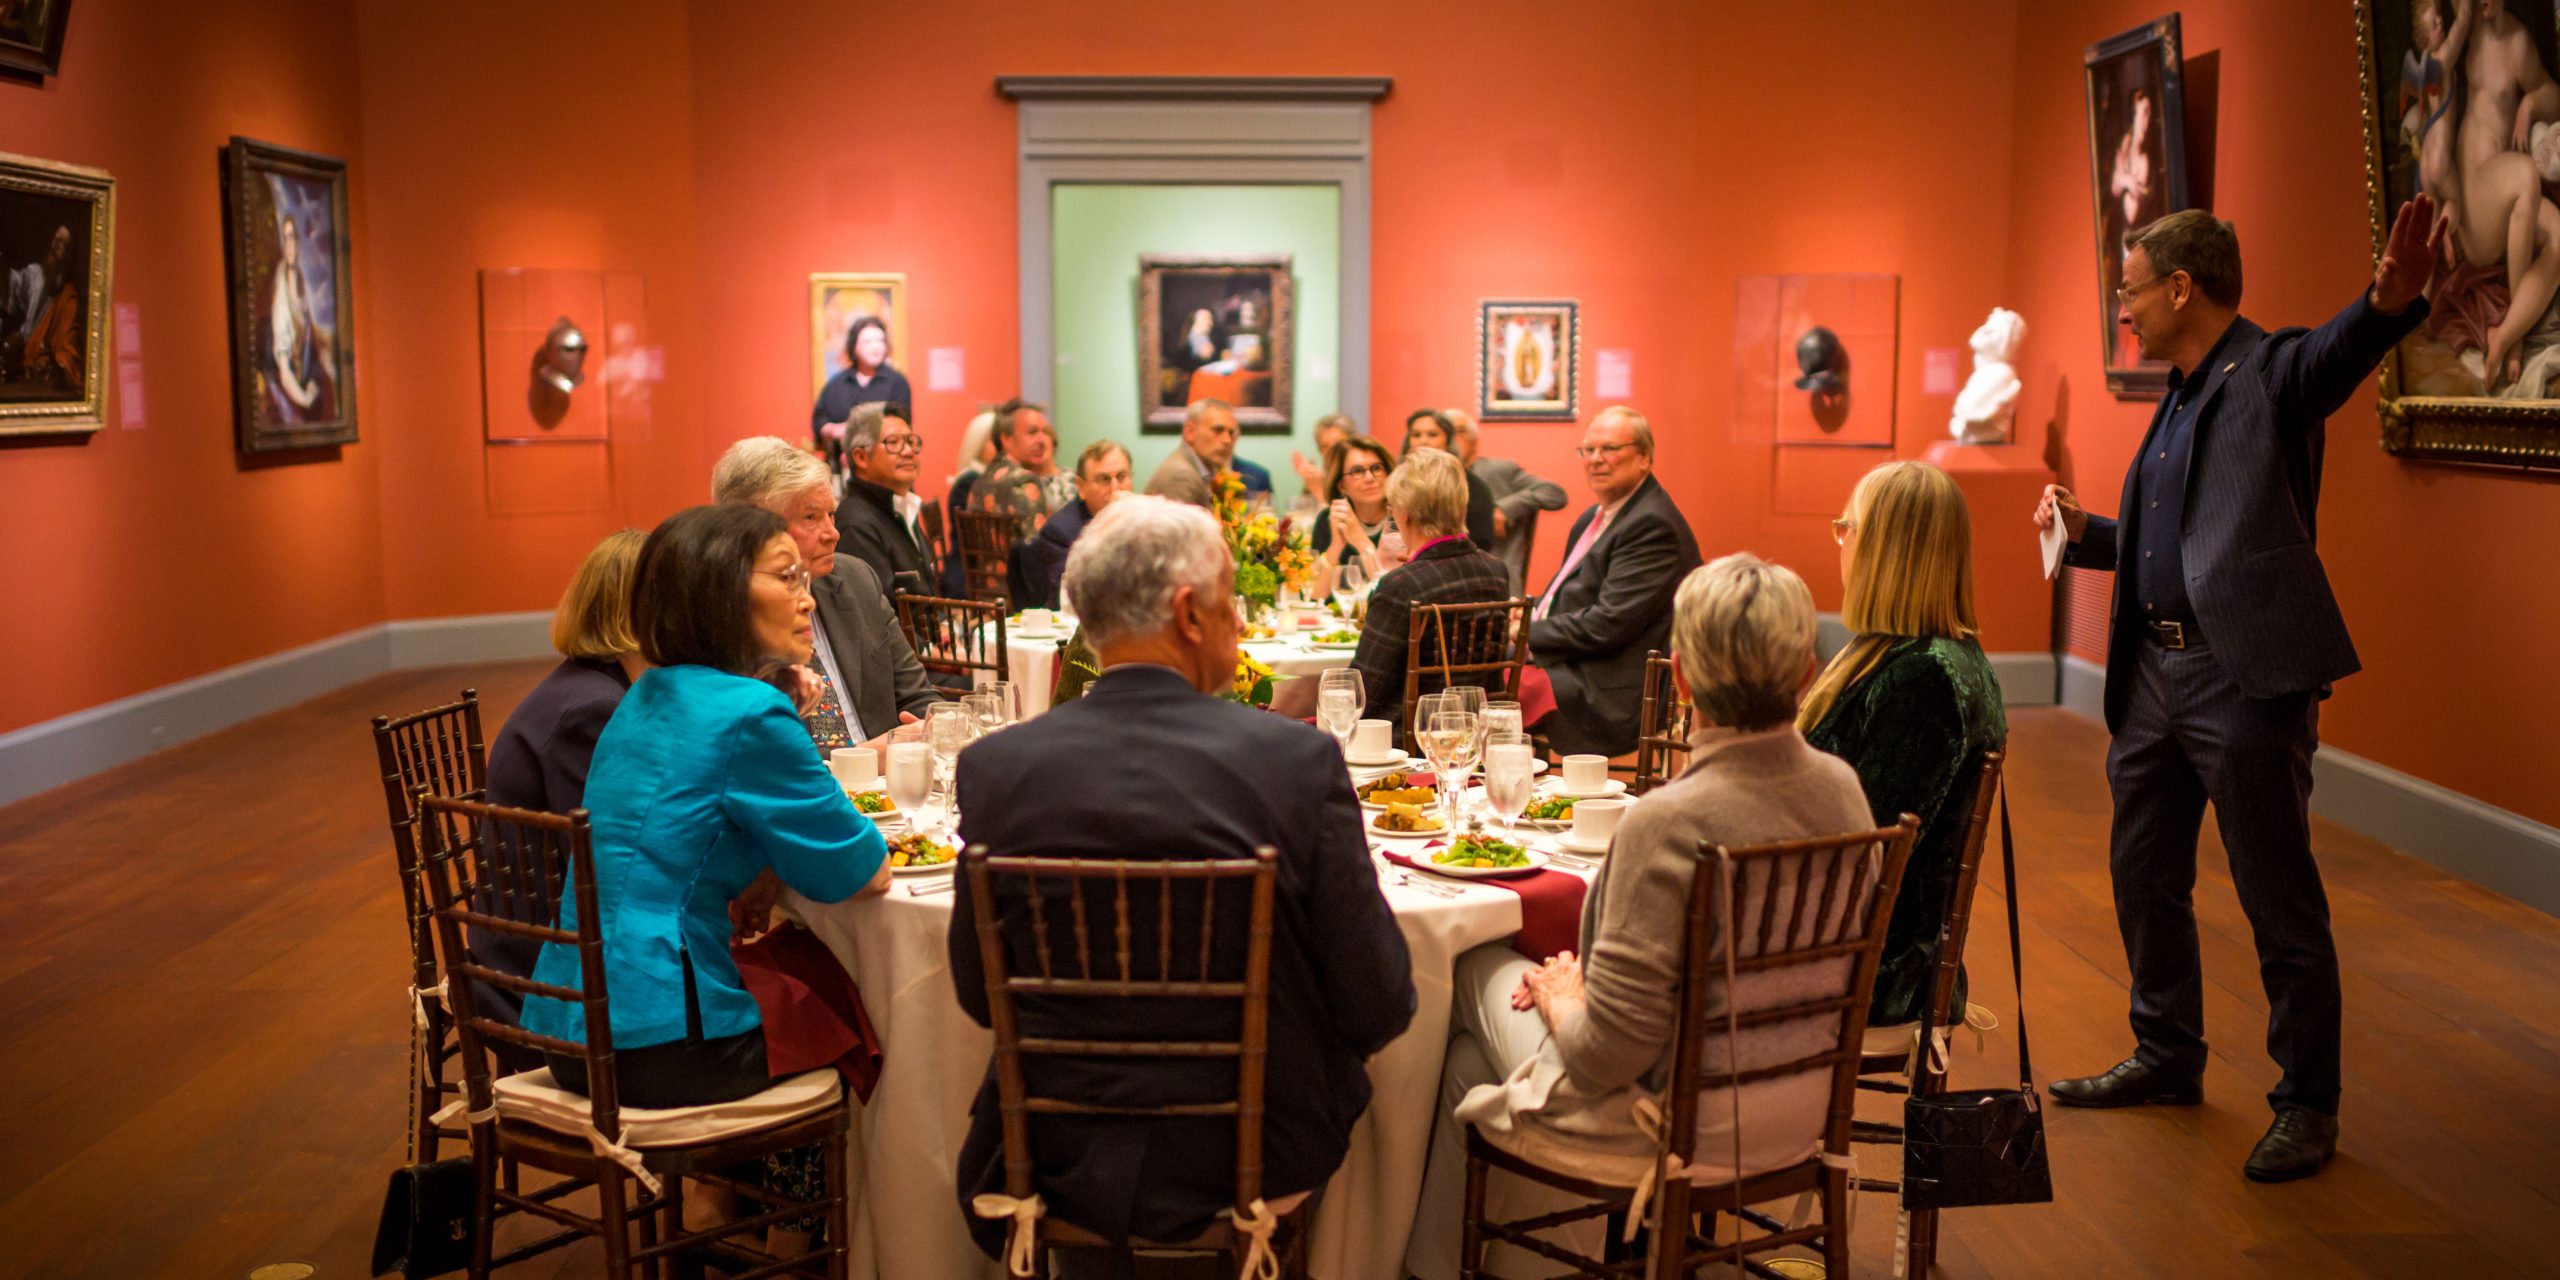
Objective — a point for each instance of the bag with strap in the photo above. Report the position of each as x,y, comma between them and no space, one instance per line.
1969,1147
426,1220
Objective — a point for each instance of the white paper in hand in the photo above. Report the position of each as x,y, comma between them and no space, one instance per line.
2053,540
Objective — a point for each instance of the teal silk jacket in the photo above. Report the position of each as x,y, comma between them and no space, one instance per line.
701,780
1915,729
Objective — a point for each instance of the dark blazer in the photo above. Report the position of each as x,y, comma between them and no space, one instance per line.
539,761
1044,557
2253,571
1612,610
1450,572
872,532
1479,511
1144,766
879,666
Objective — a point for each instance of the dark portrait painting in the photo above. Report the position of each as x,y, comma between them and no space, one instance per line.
2460,102
292,346
31,37
1215,328
2138,171
57,242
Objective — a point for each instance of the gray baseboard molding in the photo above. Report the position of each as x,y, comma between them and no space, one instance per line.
2498,850
43,756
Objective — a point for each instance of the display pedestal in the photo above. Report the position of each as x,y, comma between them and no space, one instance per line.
2002,483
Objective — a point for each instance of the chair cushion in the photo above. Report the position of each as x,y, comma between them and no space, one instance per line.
1897,1038
534,1098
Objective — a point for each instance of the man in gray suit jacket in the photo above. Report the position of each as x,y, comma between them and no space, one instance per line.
1518,497
1208,445
2224,641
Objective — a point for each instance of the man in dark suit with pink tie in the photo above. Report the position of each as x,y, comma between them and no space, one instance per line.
2224,641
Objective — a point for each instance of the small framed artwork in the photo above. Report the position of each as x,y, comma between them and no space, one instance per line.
1216,329
57,257
1526,352
2137,172
852,313
293,358
31,37
2479,381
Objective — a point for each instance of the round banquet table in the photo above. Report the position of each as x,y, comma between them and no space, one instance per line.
1032,661
906,1140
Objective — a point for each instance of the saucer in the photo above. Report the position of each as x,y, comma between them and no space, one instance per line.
1390,760
1571,843
1609,789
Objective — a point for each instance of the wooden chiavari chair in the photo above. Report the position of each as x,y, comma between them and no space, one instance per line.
501,870
1792,905
1100,915
1483,644
936,544
955,638
984,542
1662,736
1894,1061
440,751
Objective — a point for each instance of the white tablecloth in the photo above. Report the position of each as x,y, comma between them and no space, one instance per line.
907,1139
1032,661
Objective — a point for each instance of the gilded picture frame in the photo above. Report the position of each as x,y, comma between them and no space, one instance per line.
292,282
2136,84
1528,352
1222,327
836,300
2439,401
54,302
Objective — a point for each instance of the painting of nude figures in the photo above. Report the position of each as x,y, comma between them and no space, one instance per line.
2461,103
2138,169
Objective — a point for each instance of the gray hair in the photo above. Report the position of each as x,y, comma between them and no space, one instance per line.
1428,493
1461,423
2198,243
1742,629
1636,422
766,471
1128,563
1193,412
863,429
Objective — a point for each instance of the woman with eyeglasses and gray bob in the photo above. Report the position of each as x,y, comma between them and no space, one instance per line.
704,778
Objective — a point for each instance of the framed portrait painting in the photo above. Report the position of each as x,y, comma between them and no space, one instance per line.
840,303
1526,353
57,254
2137,173
293,360
31,37
1221,328
2479,381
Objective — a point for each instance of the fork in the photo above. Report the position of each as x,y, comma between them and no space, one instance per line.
1433,888
931,886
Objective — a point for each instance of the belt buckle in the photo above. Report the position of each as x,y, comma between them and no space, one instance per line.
2172,635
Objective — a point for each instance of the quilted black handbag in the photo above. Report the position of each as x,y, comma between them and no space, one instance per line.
1979,1146
426,1220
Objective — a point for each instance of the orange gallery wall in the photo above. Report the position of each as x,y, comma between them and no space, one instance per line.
2444,573
139,558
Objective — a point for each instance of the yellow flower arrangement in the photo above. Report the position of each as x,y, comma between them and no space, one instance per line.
1269,552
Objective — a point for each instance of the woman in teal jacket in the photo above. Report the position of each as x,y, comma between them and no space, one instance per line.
704,778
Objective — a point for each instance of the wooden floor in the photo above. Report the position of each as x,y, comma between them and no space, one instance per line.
203,1035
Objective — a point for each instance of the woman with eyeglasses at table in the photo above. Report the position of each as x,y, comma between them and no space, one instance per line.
1911,704
1355,519
703,779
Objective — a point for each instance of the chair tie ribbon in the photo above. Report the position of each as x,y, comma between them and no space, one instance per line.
418,1003
1022,1242
1665,1165
1257,1223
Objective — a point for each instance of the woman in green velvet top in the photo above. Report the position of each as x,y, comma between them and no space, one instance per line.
1911,704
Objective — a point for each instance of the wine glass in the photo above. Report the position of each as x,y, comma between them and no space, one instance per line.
948,726
1507,782
1348,583
1449,743
1339,700
909,772
1499,722
986,709
1008,700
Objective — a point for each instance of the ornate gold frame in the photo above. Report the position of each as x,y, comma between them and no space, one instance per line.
1155,419
97,187
893,283
2459,429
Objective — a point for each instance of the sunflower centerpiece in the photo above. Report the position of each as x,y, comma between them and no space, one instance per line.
1271,556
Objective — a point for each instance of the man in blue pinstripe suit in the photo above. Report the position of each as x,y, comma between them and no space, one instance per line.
2225,638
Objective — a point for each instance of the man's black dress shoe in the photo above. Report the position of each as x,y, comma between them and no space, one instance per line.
2299,1142
2129,1083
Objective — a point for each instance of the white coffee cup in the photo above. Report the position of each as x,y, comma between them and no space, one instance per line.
856,768
1585,774
1595,822
1038,619
1371,739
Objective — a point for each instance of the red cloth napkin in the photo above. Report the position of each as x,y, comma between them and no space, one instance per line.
813,1014
1537,696
1550,905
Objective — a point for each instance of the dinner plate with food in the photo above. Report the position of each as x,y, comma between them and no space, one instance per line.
1549,813
875,804
1405,821
1339,640
917,853
1481,856
1393,788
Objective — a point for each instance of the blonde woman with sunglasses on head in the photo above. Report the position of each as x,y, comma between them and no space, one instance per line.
1912,703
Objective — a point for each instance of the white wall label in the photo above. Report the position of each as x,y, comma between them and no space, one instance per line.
945,369
1938,370
1617,377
